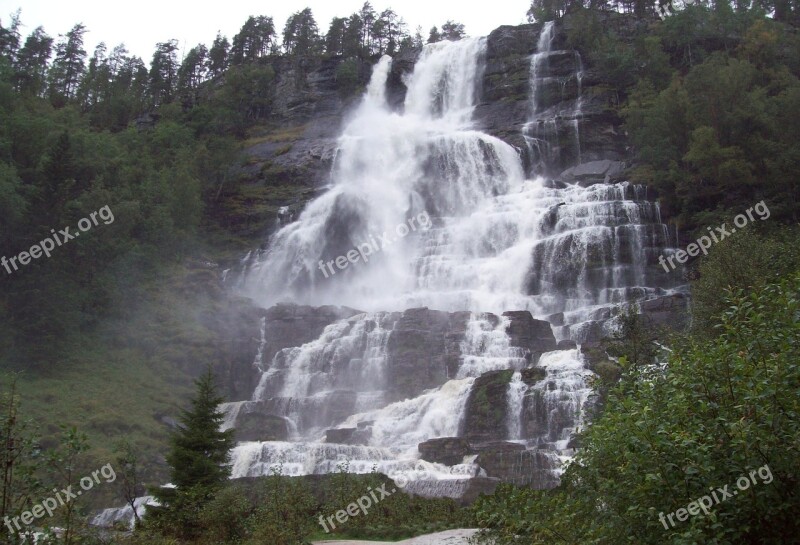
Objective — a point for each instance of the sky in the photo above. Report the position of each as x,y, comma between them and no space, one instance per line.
143,23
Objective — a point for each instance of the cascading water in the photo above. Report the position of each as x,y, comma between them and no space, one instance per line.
516,402
495,242
552,132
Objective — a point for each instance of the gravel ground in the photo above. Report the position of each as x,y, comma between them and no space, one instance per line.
451,537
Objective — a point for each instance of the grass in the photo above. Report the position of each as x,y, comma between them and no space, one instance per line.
119,382
260,135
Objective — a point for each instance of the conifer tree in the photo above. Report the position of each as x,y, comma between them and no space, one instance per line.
198,459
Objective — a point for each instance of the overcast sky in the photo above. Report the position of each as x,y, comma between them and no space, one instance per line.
140,24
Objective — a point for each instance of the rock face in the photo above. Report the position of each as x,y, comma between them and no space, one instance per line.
486,412
446,450
284,326
593,172
535,336
506,103
521,467
261,427
423,350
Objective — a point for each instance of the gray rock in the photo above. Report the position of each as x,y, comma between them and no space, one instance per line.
445,450
531,468
593,172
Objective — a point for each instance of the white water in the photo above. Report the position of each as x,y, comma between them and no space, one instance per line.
497,242
487,347
557,409
124,515
544,131
516,404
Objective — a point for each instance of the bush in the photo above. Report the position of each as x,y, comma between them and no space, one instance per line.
720,409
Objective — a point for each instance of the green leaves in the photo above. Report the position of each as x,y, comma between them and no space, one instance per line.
720,409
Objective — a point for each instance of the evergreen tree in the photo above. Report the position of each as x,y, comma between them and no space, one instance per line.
9,38
434,35
254,40
334,39
301,34
200,451
191,74
218,55
68,67
351,42
453,31
368,19
198,458
31,68
164,72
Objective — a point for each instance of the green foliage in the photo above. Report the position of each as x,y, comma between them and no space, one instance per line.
747,260
198,461
20,458
719,409
347,77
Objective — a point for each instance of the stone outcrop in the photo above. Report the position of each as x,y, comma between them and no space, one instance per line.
594,172
485,418
253,426
534,336
286,326
521,467
424,350
445,450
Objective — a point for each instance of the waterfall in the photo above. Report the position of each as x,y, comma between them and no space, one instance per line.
554,410
345,365
107,518
552,85
493,241
516,398
487,347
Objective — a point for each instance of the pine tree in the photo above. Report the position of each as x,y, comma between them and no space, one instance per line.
164,72
31,67
68,66
218,55
199,461
200,451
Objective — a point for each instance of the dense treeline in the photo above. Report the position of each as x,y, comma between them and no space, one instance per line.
72,142
710,100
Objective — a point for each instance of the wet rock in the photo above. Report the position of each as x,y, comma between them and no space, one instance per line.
424,350
446,450
535,336
532,468
593,172
532,375
254,426
485,418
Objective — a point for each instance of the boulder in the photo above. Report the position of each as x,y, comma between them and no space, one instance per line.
531,468
567,345
485,418
253,426
535,336
423,350
593,172
445,450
